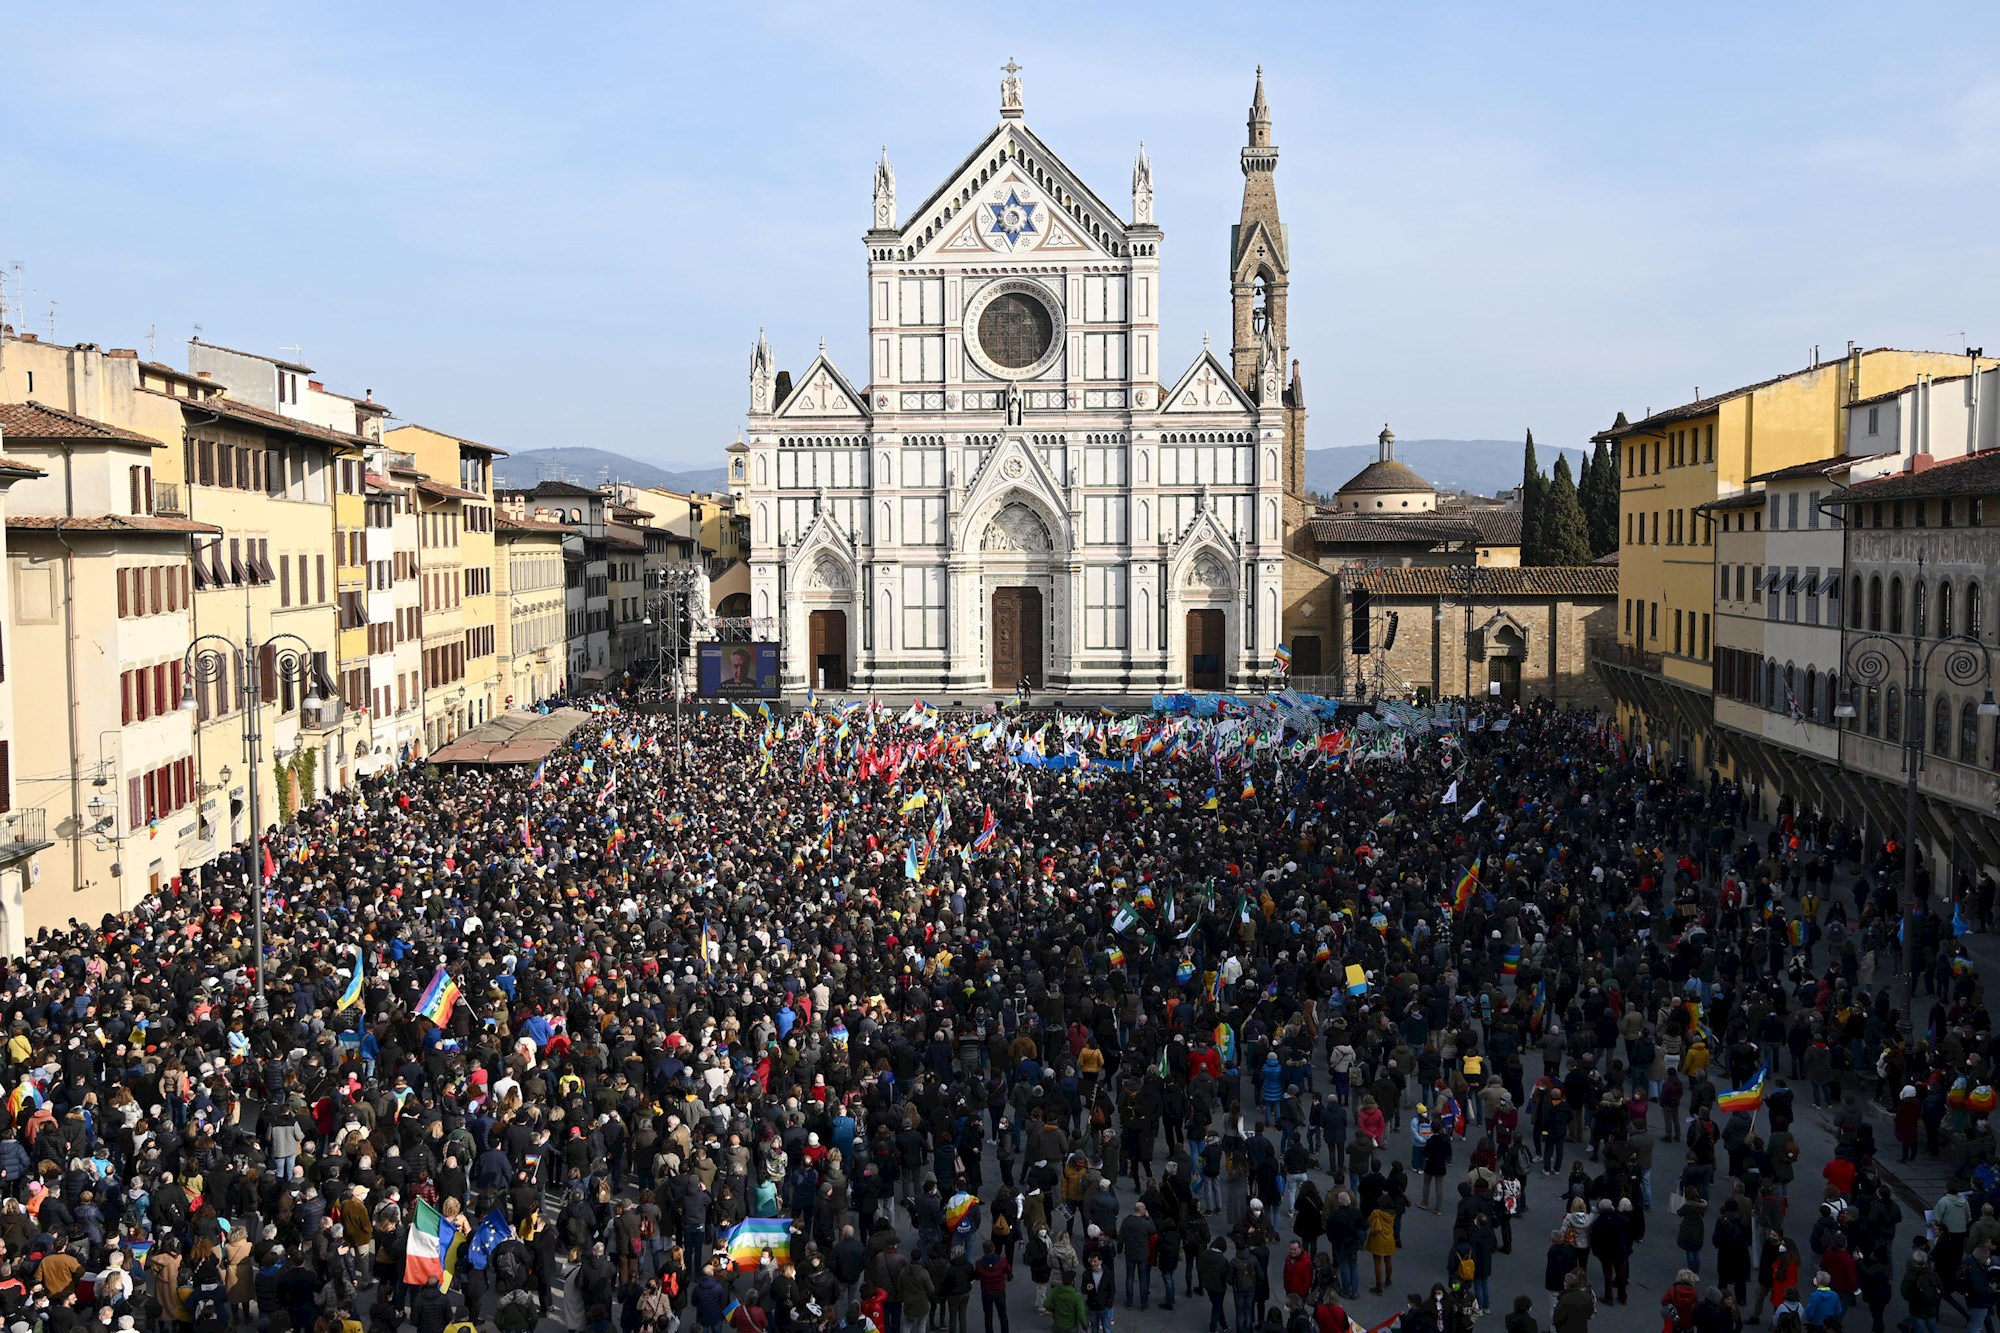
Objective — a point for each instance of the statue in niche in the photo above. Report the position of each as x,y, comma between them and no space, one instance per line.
1013,404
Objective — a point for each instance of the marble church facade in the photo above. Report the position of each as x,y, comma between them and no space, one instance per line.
1015,487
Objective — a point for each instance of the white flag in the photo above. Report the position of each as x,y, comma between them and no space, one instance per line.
1451,793
1474,811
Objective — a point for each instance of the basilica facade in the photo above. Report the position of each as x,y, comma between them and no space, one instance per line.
1015,489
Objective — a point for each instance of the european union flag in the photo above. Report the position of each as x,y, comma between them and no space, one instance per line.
487,1237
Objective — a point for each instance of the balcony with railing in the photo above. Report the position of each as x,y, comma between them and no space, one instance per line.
23,833
1610,652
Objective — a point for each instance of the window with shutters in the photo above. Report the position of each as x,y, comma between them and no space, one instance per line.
284,580
6,777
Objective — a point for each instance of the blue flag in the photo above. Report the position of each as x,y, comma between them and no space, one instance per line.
487,1237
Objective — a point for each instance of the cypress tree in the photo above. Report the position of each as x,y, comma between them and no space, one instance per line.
1564,535
1533,487
1599,495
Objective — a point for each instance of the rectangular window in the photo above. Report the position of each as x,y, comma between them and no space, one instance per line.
1104,467
1104,299
1812,510
1792,511
284,580
1653,621
923,300
1104,356
923,522
923,608
1757,584
1811,581
1739,582
1677,630
1104,606
1706,646
923,359
923,467
1104,520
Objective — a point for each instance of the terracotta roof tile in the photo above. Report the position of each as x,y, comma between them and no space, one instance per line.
1340,530
1530,581
37,421
446,492
1820,467
224,406
109,523
17,465
506,524
1975,474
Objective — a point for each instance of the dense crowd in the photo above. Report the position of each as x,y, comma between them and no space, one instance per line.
1173,1010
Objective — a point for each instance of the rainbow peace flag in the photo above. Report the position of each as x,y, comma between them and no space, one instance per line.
1467,886
1749,1097
1510,961
1225,1044
439,998
26,1098
1185,972
958,1210
752,1236
1117,957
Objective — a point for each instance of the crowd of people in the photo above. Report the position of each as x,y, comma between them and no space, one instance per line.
831,1021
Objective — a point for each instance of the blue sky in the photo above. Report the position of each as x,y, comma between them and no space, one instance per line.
563,225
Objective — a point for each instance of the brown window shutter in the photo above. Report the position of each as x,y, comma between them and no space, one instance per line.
155,582
319,565
6,777
267,673
124,604
284,580
137,792
125,697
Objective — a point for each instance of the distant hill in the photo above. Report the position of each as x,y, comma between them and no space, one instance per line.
1484,466
593,467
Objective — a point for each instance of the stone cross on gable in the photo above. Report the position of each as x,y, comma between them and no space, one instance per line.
1010,88
1206,382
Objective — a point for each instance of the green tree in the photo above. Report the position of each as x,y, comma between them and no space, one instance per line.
1534,488
1564,534
1599,497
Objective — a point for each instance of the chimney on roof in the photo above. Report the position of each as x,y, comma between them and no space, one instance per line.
123,353
31,337
204,375
315,386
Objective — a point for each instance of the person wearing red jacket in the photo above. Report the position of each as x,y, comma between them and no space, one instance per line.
993,1271
1298,1270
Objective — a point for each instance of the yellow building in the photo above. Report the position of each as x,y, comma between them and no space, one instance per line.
1672,463
533,649
463,684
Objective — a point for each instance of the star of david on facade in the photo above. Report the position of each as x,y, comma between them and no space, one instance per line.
1012,218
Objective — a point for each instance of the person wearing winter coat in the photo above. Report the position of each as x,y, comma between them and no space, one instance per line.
1135,1245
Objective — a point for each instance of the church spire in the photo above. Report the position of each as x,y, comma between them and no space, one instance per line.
885,193
1259,267
1260,115
1142,189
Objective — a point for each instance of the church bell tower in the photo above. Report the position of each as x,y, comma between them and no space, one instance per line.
1259,275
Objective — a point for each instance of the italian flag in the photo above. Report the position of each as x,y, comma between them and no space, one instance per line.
433,1249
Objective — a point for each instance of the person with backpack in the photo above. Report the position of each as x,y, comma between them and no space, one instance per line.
993,1272
1922,1292
1212,1271
1246,1275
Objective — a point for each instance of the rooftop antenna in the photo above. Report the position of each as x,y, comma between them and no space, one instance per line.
52,318
153,343
197,334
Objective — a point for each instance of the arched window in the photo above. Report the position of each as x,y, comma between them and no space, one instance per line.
1896,605
1941,726
1874,713
1854,604
1875,602
1944,609
1829,699
1892,717
1789,703
1811,699
1968,732
1919,609
1975,608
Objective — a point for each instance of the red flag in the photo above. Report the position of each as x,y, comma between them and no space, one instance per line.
270,867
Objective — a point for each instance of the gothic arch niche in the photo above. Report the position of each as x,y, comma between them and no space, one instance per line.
829,573
1207,573
1016,530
